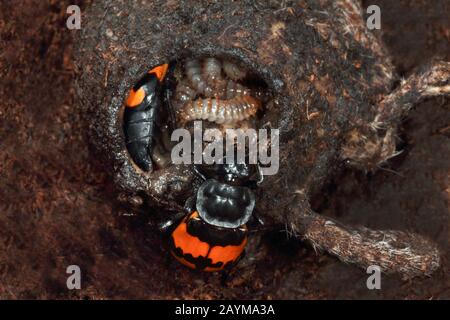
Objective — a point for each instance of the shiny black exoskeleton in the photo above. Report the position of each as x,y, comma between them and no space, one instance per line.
212,232
225,198
141,113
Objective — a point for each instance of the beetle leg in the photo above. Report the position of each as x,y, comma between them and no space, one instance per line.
189,205
166,226
260,176
255,223
199,173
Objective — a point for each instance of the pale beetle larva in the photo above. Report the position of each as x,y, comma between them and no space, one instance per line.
211,91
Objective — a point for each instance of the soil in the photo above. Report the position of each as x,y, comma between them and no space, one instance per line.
55,197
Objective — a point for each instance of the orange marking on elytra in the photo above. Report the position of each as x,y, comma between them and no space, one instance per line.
160,71
194,246
135,98
189,244
226,254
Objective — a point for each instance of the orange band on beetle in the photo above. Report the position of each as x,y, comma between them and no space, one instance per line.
135,98
160,71
189,244
193,246
226,254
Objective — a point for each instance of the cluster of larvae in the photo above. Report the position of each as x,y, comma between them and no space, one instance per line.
211,89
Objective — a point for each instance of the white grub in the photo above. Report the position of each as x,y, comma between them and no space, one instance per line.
221,111
235,89
206,78
212,68
194,74
210,91
233,71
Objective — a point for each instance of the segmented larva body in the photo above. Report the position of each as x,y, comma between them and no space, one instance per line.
203,78
220,111
206,79
233,71
222,89
184,92
211,91
229,89
212,69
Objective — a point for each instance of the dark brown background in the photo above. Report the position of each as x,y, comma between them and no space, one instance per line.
55,198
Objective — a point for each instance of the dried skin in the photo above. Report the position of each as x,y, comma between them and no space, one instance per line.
370,145
429,81
367,150
393,251
400,252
